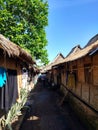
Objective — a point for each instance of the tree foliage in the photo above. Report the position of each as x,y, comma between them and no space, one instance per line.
24,22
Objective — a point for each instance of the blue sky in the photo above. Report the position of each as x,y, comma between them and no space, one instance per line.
70,22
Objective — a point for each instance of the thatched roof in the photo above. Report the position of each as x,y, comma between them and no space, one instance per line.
92,40
74,55
11,48
34,68
46,68
74,50
70,54
56,60
14,50
83,52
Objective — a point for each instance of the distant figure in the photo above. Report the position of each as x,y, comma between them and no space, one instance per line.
42,78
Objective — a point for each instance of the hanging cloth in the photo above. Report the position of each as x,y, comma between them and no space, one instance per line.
2,76
9,93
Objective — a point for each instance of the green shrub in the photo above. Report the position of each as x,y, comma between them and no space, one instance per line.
15,110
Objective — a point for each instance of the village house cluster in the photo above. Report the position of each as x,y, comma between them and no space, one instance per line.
77,76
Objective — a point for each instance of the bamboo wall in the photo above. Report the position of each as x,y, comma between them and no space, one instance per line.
86,70
55,75
86,79
86,88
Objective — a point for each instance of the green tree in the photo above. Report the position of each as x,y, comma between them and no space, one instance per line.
24,22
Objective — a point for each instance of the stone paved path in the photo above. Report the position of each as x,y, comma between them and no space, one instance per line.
46,114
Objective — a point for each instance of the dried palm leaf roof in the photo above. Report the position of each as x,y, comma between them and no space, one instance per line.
70,54
93,44
92,40
74,50
14,50
34,68
83,52
46,68
11,48
56,60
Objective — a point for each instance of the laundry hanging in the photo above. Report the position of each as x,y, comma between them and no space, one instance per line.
3,77
9,93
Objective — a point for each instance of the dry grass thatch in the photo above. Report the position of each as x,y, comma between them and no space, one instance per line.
46,68
14,50
74,50
11,48
83,52
57,60
80,53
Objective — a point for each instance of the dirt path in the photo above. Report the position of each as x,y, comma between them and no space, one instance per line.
46,114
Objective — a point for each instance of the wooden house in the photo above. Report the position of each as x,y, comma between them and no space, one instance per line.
79,77
52,74
60,67
13,61
47,70
84,66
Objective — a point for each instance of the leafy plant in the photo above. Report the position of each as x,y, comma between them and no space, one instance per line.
15,110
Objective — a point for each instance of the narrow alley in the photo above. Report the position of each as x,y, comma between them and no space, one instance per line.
45,112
